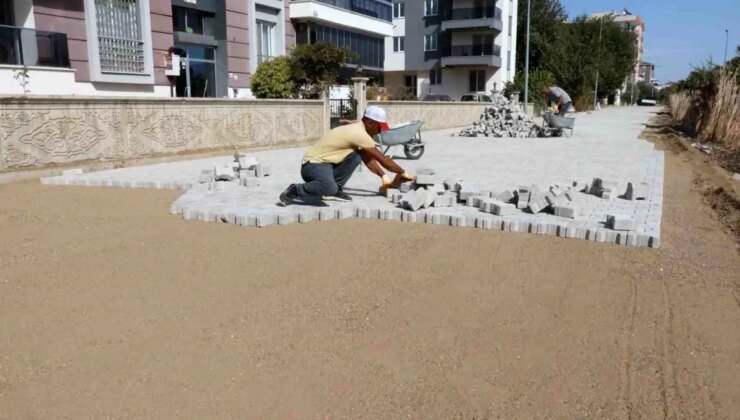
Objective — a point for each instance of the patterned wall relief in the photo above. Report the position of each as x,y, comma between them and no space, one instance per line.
12,120
299,125
66,137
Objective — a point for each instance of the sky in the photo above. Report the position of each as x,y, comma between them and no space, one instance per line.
679,34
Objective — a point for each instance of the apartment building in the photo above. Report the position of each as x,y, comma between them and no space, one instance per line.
451,47
125,47
361,26
646,73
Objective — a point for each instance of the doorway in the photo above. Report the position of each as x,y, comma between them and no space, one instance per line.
197,72
410,84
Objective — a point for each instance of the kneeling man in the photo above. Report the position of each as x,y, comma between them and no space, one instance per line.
328,164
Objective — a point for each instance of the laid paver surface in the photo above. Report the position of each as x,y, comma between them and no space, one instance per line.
604,145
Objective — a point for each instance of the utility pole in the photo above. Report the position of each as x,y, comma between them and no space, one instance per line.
727,36
598,57
526,61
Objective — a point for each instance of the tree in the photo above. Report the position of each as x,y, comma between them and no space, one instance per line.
315,67
548,17
578,52
537,80
273,79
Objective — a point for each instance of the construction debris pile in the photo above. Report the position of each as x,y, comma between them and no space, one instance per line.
560,200
245,170
503,119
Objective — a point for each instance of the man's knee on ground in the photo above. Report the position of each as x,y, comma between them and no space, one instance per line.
329,187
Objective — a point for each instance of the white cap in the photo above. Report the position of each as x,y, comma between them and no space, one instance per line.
375,113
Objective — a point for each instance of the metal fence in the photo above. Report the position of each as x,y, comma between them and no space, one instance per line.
342,109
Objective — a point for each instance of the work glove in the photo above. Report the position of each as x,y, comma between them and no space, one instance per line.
397,181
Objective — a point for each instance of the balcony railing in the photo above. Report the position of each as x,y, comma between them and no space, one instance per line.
378,9
472,13
473,50
29,47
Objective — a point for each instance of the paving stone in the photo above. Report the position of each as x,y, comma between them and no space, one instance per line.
451,184
465,190
424,180
327,214
72,172
537,203
569,211
429,197
522,199
307,215
405,187
424,171
637,191
445,200
223,173
245,161
620,222
414,200
500,208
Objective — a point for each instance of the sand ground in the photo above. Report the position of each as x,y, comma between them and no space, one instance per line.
112,308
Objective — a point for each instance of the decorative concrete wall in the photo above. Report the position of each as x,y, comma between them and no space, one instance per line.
39,132
436,115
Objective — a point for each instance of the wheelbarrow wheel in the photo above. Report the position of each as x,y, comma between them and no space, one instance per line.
413,150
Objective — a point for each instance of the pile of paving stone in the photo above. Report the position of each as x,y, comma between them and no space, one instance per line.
560,200
503,119
244,170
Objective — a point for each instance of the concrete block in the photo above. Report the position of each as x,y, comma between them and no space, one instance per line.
486,205
445,220
513,226
393,214
600,235
327,214
522,199
375,214
465,190
537,203
247,173
580,186
617,222
308,215
345,213
451,184
245,161
637,191
570,211
571,231
436,188
429,197
557,190
445,200
405,187
506,196
424,171
72,172
414,200
223,173
249,182
266,220
286,218
622,238
654,242
503,209
424,180
409,217
540,228
390,192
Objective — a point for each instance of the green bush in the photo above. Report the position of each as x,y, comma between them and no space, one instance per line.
537,80
273,79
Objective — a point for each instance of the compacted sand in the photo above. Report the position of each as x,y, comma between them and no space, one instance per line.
112,308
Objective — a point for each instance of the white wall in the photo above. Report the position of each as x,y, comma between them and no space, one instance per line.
395,61
59,81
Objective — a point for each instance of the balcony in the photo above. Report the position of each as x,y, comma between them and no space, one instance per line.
372,17
32,48
472,18
472,55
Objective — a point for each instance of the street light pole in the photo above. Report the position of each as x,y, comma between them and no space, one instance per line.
598,57
727,36
526,62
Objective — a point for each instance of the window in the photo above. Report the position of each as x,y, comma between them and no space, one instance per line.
370,50
398,44
120,37
410,84
431,7
508,60
435,76
430,42
265,36
399,10
477,81
510,21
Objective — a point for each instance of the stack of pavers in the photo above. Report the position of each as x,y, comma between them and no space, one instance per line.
245,170
503,119
560,200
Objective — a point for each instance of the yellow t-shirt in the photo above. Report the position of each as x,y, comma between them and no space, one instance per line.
338,144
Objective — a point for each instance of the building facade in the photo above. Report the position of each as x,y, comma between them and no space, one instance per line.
124,47
451,47
361,26
646,72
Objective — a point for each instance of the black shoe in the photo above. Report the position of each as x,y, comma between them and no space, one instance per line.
289,195
342,196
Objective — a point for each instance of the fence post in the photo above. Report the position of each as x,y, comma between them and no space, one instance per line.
360,91
326,126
